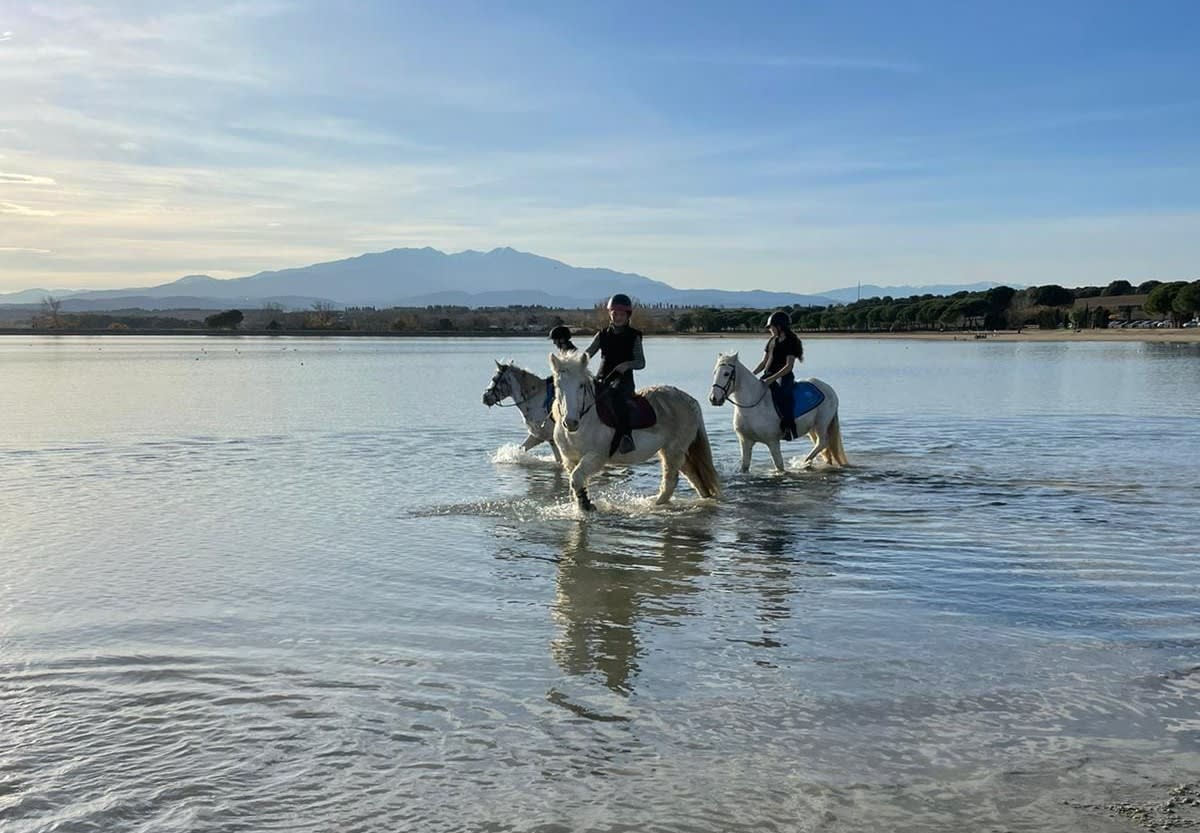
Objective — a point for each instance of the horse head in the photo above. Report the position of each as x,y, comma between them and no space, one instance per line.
724,378
574,387
499,388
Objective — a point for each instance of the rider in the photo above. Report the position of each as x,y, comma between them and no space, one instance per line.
561,336
620,347
783,350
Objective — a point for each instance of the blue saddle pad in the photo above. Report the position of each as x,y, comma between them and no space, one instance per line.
805,397
549,394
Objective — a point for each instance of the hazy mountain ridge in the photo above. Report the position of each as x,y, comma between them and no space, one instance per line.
420,277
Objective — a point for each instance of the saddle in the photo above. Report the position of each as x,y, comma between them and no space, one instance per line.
641,412
805,397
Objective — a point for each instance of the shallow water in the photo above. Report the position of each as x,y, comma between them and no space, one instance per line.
301,584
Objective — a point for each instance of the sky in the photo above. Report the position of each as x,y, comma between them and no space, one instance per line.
795,146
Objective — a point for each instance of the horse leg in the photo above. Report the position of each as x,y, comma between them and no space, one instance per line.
670,477
821,443
776,454
588,465
747,445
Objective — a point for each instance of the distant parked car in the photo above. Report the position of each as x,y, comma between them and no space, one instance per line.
1193,323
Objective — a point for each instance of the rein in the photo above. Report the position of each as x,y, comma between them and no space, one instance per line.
516,403
728,389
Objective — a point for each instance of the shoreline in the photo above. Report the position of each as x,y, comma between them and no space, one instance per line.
1189,335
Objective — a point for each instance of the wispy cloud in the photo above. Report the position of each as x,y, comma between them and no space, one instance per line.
26,179
24,250
24,210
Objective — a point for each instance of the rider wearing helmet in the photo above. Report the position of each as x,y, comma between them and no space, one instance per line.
561,336
783,350
620,348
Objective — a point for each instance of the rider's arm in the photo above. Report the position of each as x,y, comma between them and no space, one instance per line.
761,364
594,347
639,358
783,371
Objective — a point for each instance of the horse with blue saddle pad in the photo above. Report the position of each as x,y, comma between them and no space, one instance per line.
757,418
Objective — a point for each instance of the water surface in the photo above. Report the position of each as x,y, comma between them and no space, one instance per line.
311,584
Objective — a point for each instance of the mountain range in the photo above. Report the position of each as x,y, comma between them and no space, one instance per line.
423,277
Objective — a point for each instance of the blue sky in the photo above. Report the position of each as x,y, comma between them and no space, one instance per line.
788,146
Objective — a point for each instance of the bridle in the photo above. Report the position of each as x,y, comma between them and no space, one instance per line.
727,388
586,408
502,378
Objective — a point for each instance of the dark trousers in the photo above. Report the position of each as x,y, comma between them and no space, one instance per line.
620,393
781,392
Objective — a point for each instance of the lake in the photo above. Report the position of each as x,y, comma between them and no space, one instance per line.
254,584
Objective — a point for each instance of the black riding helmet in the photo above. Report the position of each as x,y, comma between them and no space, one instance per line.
620,301
779,319
560,333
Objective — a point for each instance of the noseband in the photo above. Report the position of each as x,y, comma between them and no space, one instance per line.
506,391
727,388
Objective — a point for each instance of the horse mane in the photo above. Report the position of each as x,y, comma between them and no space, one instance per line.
579,361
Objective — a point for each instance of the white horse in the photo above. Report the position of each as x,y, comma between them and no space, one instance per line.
528,393
678,436
756,421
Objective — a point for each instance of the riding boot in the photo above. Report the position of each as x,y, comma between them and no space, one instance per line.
788,427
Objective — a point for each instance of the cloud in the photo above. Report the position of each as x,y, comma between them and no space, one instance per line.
26,179
24,249
24,210
5,36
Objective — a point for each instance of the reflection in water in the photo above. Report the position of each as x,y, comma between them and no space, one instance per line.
607,583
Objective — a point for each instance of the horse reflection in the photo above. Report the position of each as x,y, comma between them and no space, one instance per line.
606,588
778,556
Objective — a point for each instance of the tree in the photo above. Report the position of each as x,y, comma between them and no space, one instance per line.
1187,299
1118,287
1053,295
227,320
1146,287
1161,300
51,311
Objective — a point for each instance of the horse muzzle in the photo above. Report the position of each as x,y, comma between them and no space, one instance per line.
571,424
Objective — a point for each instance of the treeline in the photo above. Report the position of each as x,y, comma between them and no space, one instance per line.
1001,307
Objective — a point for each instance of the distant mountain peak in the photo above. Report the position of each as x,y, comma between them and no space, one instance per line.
411,277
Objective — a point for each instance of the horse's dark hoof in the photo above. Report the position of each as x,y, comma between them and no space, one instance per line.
585,502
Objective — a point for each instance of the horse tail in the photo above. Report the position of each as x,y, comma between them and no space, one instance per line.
698,465
835,454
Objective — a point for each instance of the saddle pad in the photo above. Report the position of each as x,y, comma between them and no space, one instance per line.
641,412
805,397
549,403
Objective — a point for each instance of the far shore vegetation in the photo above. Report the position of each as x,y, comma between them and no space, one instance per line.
1119,304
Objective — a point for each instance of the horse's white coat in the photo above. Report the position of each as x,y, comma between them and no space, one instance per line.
678,438
528,392
756,421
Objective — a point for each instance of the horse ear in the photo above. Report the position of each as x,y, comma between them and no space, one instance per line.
498,365
555,362
583,359
734,355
